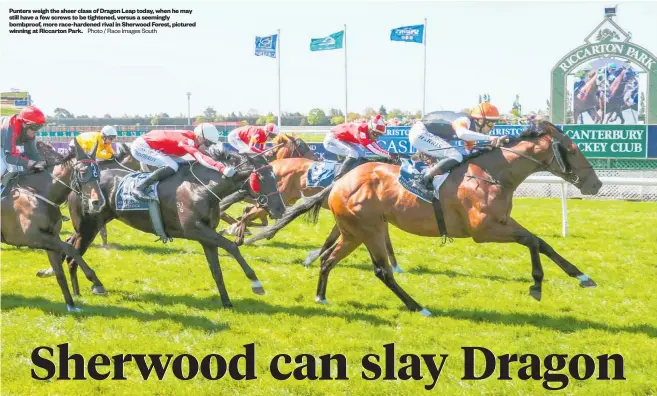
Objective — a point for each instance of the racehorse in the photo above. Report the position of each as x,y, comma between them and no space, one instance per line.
291,147
189,204
616,99
586,100
292,177
31,214
476,200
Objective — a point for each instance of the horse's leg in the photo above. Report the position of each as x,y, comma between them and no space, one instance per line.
376,245
207,235
620,114
97,286
330,241
341,249
249,213
565,265
391,254
56,263
103,235
514,232
81,240
212,255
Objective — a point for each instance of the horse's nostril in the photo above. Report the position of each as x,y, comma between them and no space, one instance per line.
95,203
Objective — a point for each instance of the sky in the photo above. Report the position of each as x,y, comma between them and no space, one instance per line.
501,48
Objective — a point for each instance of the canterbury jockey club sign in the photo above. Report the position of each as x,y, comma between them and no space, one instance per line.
596,50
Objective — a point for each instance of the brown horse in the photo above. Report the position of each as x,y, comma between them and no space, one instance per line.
616,99
476,200
31,214
189,203
291,147
292,177
586,100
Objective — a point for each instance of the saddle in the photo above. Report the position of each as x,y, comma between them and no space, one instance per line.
126,200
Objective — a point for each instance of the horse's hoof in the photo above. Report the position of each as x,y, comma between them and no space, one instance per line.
588,283
232,230
227,305
257,288
535,293
425,312
45,273
397,269
322,301
98,290
72,308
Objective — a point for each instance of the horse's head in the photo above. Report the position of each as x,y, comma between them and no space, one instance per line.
264,187
567,160
125,157
86,179
291,147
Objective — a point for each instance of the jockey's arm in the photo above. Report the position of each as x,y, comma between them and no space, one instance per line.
105,152
374,147
471,136
257,142
31,151
203,159
6,143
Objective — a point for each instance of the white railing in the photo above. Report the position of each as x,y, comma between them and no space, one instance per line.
617,181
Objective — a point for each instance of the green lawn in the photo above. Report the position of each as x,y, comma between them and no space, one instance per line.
162,300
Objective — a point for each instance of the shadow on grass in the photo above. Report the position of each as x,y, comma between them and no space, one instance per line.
287,245
565,324
249,305
13,301
150,249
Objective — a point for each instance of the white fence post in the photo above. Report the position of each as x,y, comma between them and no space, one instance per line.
564,209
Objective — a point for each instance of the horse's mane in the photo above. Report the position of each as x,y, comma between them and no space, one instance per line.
48,154
282,138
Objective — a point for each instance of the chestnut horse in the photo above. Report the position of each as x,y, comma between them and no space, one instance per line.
476,200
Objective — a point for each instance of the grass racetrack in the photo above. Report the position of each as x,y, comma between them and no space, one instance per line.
162,299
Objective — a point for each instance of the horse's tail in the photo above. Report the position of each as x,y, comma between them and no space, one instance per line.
312,204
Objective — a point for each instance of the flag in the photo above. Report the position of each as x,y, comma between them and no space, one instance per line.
331,42
412,34
266,46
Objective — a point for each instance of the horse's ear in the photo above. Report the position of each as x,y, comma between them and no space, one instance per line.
93,151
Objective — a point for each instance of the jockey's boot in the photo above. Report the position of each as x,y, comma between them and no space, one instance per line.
347,165
159,175
7,182
441,168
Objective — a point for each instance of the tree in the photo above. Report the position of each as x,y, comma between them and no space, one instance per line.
83,116
163,115
209,113
395,113
252,113
466,110
107,116
338,119
316,117
335,112
383,111
369,112
200,118
62,113
155,121
261,120
303,121
517,106
353,116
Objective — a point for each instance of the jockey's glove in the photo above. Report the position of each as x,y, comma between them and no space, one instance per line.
39,166
229,171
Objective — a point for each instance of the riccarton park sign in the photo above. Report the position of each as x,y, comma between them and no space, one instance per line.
607,40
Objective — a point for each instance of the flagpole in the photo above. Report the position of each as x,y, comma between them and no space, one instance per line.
424,81
278,60
346,111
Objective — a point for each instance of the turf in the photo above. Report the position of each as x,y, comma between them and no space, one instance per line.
162,300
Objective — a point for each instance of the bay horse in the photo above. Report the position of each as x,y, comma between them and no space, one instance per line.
616,99
586,100
31,214
292,177
189,204
476,200
289,146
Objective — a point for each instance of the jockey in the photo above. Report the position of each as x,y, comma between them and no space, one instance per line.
355,140
252,139
20,130
432,134
104,138
157,147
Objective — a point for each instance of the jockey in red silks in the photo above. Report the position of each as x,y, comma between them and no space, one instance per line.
356,140
20,130
252,139
165,149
